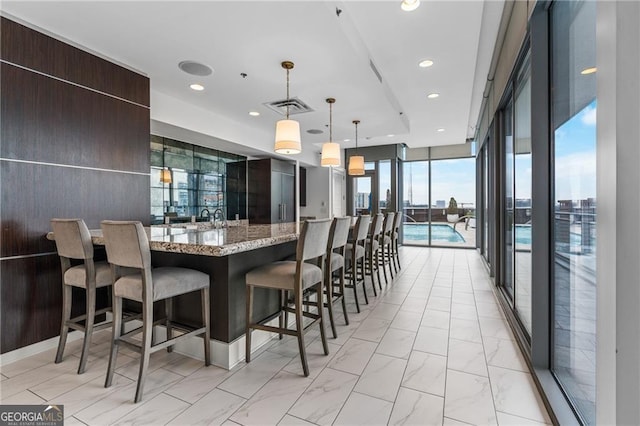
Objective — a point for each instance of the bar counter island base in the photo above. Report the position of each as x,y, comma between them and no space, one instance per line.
226,255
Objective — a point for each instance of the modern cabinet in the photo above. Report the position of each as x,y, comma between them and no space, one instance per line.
271,191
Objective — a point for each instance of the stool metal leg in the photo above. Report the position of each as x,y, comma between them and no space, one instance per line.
323,335
66,316
247,352
204,293
147,326
300,332
168,310
88,327
329,289
344,302
115,337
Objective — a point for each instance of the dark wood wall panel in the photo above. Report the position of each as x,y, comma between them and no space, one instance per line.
48,120
31,296
63,192
31,49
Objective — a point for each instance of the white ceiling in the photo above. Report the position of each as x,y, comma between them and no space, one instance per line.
332,55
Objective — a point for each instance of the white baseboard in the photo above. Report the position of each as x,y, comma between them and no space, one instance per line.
225,355
36,348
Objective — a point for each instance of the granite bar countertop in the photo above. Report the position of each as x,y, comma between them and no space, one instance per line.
208,241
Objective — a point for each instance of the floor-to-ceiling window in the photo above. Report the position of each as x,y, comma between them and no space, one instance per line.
522,226
574,200
517,227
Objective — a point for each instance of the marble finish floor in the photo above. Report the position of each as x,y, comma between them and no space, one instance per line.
433,348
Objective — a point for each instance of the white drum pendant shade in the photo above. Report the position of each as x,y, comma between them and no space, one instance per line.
288,137
165,176
330,154
356,165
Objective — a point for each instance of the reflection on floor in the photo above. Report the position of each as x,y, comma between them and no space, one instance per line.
433,348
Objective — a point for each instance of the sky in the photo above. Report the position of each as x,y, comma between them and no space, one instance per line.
575,156
450,178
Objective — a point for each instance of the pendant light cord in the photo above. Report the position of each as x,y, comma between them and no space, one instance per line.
330,122
356,123
287,93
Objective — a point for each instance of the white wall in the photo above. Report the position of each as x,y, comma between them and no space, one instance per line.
618,227
319,192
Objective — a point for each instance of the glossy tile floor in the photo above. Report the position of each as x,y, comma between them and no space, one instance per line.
433,348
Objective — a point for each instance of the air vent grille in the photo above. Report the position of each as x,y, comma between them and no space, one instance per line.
296,106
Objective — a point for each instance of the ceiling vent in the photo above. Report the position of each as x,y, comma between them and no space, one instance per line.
296,106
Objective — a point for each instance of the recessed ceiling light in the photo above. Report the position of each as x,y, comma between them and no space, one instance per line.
390,135
590,70
426,63
409,5
197,87
314,131
254,113
433,95
346,140
440,130
195,68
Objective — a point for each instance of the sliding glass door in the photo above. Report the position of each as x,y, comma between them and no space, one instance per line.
574,199
439,202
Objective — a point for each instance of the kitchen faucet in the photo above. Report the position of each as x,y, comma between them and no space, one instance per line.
203,211
218,214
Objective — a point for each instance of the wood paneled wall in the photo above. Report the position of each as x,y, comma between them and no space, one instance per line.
74,143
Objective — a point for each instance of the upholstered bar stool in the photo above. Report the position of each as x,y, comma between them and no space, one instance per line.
73,241
128,246
372,251
385,244
354,255
293,277
335,262
395,236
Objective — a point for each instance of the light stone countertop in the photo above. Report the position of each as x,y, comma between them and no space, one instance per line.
211,242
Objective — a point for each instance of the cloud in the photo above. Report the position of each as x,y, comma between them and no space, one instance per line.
588,116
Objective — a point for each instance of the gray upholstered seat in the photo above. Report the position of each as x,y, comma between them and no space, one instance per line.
336,244
128,247
289,277
282,274
73,241
355,257
359,251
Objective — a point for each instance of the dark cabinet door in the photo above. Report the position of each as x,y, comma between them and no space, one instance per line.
276,197
288,189
271,191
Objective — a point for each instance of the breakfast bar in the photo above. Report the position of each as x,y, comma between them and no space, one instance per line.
226,255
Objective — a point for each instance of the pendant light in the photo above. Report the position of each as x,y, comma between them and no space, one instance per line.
165,175
330,150
356,162
288,131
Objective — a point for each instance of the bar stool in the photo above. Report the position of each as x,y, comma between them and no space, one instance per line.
293,277
395,236
385,244
73,241
355,254
128,246
372,251
335,262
